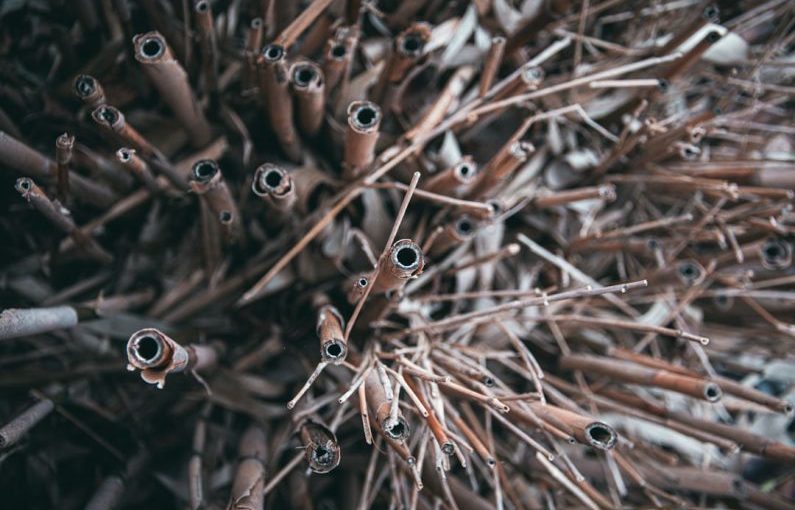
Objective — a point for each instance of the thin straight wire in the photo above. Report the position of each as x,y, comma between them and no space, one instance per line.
312,378
574,273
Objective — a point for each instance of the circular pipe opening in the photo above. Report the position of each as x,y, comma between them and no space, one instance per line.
362,282
322,455
225,217
712,392
398,430
689,271
108,114
338,51
205,170
152,48
464,227
335,350
273,52
713,37
304,75
600,435
147,348
24,184
202,6
124,155
407,257
85,85
412,44
273,178
366,116
256,23
448,448
712,13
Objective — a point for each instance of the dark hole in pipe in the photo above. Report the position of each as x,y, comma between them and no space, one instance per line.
202,6
407,257
713,36
225,216
712,13
366,116
448,448
109,115
663,85
397,430
24,184
204,170
304,75
334,350
273,52
689,271
273,178
600,435
125,155
773,250
464,170
712,392
362,282
85,85
464,227
147,348
322,455
412,44
152,48
338,51
256,23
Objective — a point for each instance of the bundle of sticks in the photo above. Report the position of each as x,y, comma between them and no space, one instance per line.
418,254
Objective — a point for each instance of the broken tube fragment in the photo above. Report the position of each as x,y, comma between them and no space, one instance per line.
171,80
207,181
404,261
156,355
321,449
364,119
330,331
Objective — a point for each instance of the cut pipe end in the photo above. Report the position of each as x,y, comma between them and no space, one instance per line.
323,458
205,170
601,435
364,116
305,74
201,6
107,115
125,155
270,179
24,185
397,429
776,253
465,227
273,53
149,47
712,392
338,52
85,86
334,351
406,256
690,272
466,170
147,348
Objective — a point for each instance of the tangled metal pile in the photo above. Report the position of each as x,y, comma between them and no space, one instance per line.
418,254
